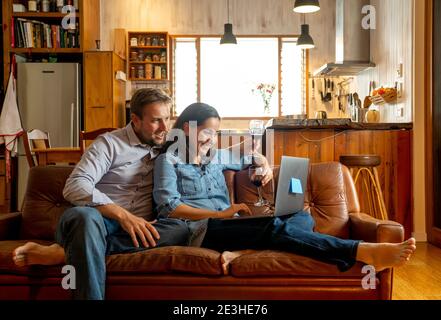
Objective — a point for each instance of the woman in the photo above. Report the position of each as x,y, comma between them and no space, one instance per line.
190,188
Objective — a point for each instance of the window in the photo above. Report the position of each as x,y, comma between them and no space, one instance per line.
227,77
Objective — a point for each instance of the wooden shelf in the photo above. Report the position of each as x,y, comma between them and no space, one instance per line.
148,80
45,15
148,47
45,50
147,62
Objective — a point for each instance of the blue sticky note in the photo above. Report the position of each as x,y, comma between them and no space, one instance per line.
296,186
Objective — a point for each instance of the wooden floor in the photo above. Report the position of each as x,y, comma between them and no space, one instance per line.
420,279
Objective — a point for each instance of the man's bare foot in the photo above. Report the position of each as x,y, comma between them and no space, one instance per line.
386,255
32,254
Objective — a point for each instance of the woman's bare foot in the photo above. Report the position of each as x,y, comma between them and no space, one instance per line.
386,255
32,253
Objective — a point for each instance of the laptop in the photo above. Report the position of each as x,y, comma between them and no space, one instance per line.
291,188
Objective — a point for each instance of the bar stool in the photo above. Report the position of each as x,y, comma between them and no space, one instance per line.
364,168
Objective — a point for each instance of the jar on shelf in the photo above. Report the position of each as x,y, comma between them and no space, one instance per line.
134,42
32,5
141,55
133,55
149,71
141,72
155,41
163,56
148,41
132,72
141,41
158,71
46,6
164,74
148,57
162,42
156,58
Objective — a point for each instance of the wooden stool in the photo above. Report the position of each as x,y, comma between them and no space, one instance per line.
367,172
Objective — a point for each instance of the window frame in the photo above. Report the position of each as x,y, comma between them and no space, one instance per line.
280,38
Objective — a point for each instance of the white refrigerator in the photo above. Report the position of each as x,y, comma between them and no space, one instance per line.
49,100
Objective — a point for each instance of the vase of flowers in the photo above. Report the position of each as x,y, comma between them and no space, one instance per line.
266,91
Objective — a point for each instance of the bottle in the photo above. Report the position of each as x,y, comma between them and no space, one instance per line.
45,6
60,5
32,6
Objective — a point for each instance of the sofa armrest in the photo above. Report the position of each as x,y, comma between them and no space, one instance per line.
366,228
10,226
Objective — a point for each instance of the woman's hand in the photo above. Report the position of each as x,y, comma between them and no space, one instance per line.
242,209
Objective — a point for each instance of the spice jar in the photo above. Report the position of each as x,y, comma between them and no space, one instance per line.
132,72
141,55
162,42
148,41
163,74
149,71
134,42
155,58
141,72
141,41
133,55
155,41
148,58
163,56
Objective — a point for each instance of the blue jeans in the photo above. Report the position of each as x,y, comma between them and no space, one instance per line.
87,238
293,234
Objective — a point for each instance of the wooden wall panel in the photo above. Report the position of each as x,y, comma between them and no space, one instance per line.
316,145
394,148
392,44
207,17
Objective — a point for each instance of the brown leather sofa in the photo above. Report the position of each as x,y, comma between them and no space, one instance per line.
194,273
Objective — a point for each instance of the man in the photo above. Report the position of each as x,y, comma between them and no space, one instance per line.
112,189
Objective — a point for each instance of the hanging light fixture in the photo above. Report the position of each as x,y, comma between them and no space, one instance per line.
228,37
305,40
306,6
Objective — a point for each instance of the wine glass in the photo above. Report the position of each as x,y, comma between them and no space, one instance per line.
256,175
257,127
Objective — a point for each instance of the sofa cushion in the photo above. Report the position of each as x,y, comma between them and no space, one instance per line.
161,260
166,260
277,264
44,202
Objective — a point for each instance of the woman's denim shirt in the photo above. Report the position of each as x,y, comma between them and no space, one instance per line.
204,187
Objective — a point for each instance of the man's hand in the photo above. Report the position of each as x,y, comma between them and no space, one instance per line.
242,209
135,226
138,227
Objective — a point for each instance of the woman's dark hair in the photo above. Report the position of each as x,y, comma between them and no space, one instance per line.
199,112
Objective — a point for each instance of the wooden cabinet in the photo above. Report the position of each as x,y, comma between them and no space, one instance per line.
148,56
104,96
394,147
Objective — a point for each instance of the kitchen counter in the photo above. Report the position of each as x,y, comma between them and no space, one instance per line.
336,124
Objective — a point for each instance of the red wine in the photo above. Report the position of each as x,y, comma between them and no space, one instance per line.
257,183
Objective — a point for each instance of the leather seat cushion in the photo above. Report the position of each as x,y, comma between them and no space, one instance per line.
161,260
274,263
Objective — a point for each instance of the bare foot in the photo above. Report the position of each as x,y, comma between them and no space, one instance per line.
32,253
386,255
227,257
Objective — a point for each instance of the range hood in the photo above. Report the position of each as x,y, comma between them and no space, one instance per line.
352,42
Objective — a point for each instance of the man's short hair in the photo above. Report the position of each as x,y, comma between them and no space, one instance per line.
146,97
